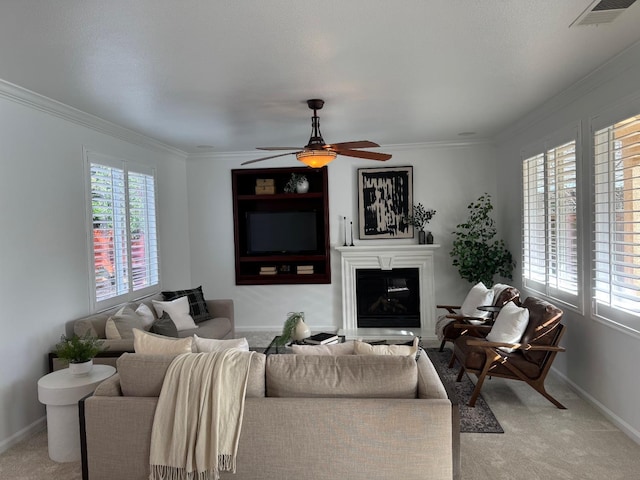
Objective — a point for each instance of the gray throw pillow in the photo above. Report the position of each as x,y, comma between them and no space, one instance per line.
165,326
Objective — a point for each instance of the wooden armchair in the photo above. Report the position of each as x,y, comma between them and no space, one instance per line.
530,360
454,328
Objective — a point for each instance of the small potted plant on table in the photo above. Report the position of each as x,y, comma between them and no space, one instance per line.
79,352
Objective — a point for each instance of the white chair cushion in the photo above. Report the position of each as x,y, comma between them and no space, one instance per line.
511,323
478,295
207,345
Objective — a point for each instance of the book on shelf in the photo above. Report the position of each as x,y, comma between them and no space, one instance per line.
268,273
302,269
267,269
322,339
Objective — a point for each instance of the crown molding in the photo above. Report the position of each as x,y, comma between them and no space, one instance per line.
44,104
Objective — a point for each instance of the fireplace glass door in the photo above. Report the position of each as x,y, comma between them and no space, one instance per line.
388,298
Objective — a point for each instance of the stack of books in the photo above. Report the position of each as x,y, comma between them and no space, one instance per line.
265,270
322,339
265,186
304,269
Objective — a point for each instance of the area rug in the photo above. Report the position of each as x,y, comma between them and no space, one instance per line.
479,419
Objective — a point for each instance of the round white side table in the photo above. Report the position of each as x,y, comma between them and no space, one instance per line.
60,392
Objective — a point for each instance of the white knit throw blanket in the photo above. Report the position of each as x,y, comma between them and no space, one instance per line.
199,416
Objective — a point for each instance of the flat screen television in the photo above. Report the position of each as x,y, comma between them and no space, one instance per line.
281,232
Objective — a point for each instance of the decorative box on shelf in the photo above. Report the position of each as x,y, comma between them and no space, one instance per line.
265,186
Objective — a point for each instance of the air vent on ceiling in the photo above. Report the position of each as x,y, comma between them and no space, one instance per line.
602,11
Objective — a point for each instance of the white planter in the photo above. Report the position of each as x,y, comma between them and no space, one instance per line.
302,186
80,368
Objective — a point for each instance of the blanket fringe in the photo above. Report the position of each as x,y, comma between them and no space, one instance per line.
164,472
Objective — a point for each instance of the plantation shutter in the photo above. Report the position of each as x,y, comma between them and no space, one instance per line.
534,234
550,243
617,218
142,228
561,203
108,202
124,231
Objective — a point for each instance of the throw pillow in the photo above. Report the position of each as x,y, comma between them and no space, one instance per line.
121,324
164,326
197,305
345,348
511,323
477,296
362,348
206,345
150,344
146,314
178,310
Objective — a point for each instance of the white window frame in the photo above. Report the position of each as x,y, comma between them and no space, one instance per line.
622,319
130,291
547,283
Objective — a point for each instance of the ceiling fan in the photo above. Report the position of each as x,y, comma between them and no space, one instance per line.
317,153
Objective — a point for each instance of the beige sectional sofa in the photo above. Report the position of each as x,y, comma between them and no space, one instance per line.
220,326
306,417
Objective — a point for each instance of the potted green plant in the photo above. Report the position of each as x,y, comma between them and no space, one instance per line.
294,328
297,183
79,352
478,257
419,217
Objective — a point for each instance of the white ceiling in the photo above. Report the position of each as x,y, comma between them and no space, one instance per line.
235,74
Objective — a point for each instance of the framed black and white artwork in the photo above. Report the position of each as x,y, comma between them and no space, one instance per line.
385,197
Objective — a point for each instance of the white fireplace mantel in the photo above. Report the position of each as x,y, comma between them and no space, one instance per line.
387,257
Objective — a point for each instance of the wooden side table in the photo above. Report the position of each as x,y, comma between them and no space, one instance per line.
60,392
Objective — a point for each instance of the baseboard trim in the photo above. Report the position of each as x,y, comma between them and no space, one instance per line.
23,434
612,417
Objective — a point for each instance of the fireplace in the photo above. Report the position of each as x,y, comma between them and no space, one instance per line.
388,298
387,259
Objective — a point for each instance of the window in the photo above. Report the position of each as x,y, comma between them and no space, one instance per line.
550,239
123,234
617,219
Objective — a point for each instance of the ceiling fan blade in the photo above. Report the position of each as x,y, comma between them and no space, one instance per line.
277,148
358,144
382,157
267,158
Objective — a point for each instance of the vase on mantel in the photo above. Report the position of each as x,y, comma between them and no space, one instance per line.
422,237
429,238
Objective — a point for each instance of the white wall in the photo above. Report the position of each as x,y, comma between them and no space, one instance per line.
601,361
44,261
446,178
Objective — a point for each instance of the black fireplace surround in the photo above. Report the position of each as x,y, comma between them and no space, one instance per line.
388,298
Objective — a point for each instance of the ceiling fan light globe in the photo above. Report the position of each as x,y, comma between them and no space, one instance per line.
316,158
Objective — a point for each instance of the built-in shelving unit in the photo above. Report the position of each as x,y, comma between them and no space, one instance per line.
257,267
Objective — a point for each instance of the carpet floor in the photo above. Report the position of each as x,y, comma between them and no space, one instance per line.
478,419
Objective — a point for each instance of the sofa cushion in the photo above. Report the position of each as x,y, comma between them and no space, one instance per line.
219,327
363,348
356,376
178,310
215,345
151,344
142,375
121,324
344,348
197,305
